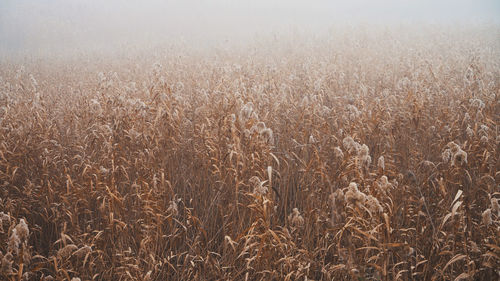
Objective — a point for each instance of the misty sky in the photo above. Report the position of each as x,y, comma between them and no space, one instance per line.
45,25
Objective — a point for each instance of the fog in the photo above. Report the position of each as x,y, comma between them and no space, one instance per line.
41,27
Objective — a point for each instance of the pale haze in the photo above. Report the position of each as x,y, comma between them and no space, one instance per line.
29,27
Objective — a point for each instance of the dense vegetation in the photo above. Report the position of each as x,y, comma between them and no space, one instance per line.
358,156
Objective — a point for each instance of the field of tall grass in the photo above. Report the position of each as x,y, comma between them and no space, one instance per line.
361,155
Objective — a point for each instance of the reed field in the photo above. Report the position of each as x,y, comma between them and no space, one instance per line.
355,155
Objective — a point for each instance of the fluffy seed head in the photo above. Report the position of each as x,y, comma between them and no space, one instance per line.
446,155
353,196
384,185
350,145
483,130
22,230
466,118
3,217
337,152
469,132
172,209
336,199
381,162
487,217
459,158
364,150
267,134
477,103
261,126
7,261
258,186
66,251
363,156
373,205
246,112
495,206
453,147
296,219
13,243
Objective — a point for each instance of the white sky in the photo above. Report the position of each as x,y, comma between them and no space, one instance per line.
34,25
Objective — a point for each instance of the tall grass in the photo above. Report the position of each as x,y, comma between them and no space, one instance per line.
360,156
